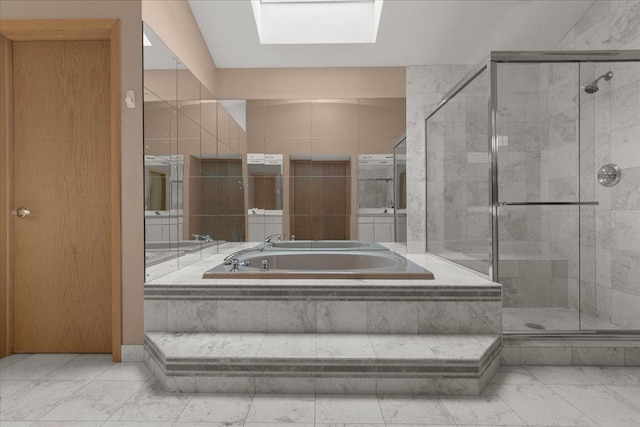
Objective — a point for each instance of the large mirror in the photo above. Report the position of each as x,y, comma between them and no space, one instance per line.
195,165
335,157
219,173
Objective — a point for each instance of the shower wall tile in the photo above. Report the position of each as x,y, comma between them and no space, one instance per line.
448,75
568,42
602,114
596,14
421,80
559,292
625,73
625,149
625,25
596,37
587,298
625,271
625,106
603,304
625,312
625,230
625,195
603,267
563,96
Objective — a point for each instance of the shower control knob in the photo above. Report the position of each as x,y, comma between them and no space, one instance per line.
609,175
21,212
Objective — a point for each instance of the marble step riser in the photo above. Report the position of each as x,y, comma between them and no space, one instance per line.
338,384
452,377
470,316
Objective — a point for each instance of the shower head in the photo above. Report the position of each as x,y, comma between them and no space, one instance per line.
593,87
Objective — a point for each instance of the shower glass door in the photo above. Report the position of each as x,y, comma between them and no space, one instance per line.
544,216
610,232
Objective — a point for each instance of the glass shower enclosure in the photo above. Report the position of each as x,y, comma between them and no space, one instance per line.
533,179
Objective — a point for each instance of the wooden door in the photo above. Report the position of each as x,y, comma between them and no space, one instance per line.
62,174
223,211
320,200
263,191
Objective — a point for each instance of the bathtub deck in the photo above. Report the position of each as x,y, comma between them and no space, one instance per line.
323,363
445,274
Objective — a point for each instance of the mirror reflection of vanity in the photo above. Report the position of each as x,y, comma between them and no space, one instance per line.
223,172
376,204
265,195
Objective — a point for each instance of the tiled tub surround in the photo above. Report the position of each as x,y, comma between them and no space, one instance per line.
323,363
320,335
456,301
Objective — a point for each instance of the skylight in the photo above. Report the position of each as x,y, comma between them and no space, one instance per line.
317,21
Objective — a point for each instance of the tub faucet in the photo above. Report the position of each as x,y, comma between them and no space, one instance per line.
267,241
229,258
236,263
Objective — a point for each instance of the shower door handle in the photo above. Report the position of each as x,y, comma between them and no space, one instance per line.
548,203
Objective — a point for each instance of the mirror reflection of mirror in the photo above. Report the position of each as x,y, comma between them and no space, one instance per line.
375,183
400,189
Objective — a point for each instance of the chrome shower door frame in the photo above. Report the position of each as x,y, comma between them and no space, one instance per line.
490,63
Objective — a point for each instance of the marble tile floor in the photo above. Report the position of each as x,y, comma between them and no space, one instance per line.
90,390
551,318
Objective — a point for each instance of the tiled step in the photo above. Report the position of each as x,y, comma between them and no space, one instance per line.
323,363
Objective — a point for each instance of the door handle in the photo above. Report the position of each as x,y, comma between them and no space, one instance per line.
21,212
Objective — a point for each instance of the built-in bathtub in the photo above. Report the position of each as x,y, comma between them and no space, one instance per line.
320,264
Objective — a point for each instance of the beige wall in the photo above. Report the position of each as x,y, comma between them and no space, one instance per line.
131,133
312,127
173,22
300,83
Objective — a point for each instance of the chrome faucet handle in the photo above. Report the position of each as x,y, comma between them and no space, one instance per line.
264,265
235,263
278,235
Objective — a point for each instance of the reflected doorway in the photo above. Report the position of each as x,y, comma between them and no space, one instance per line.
320,199
223,213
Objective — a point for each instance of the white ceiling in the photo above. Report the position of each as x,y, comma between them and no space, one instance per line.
411,32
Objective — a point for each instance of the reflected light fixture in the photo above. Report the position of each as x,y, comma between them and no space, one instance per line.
145,40
317,21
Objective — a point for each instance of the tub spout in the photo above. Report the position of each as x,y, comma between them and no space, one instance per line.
267,241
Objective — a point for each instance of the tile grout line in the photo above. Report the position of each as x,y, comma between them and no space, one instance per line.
62,401
635,404
506,404
185,406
